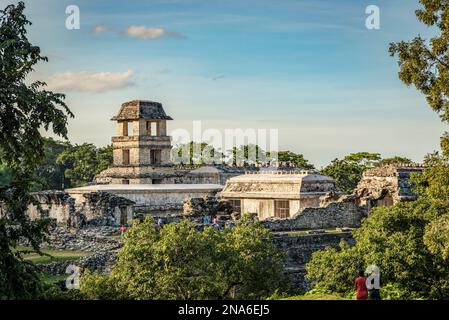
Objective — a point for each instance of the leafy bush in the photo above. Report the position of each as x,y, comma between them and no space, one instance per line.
180,262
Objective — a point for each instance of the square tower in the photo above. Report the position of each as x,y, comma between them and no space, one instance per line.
141,147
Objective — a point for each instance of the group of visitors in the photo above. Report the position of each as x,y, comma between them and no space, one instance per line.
365,290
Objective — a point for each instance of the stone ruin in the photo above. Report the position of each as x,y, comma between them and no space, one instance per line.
387,185
92,209
342,213
141,156
197,207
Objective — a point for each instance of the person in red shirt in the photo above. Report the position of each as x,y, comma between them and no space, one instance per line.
122,231
360,286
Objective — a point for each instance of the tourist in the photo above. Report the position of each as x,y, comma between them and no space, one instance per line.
122,231
360,286
229,224
374,294
216,224
160,222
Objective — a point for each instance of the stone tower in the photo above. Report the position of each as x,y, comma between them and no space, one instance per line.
141,148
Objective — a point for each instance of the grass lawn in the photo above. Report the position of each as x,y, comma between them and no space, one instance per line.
53,279
56,255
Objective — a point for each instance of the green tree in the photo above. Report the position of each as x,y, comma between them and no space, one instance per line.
196,154
24,110
393,161
296,159
393,239
50,174
180,262
436,237
409,240
425,63
248,153
365,159
104,158
83,162
346,173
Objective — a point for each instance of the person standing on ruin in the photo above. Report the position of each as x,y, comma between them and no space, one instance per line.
360,286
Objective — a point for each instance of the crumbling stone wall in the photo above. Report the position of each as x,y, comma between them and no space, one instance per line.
342,213
388,184
103,208
299,250
56,204
206,206
95,208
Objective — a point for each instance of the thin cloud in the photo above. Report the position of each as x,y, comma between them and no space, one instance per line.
100,28
144,33
86,81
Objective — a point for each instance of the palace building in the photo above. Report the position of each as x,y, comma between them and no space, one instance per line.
280,194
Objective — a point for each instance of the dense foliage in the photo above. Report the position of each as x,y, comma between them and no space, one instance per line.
408,241
348,171
196,154
25,109
425,63
393,238
180,262
82,163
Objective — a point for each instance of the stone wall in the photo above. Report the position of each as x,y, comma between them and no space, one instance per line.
299,250
382,186
343,213
57,205
163,201
106,209
95,208
197,207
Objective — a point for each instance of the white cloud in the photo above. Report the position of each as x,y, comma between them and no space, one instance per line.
90,81
145,33
100,28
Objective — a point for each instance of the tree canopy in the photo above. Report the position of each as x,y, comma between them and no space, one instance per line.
408,241
25,109
349,170
398,240
82,163
196,154
425,63
180,262
296,159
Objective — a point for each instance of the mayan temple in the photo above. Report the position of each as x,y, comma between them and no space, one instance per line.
142,148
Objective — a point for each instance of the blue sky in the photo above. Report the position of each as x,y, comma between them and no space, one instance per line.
308,68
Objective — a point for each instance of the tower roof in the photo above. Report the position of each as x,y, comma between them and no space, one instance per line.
141,109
